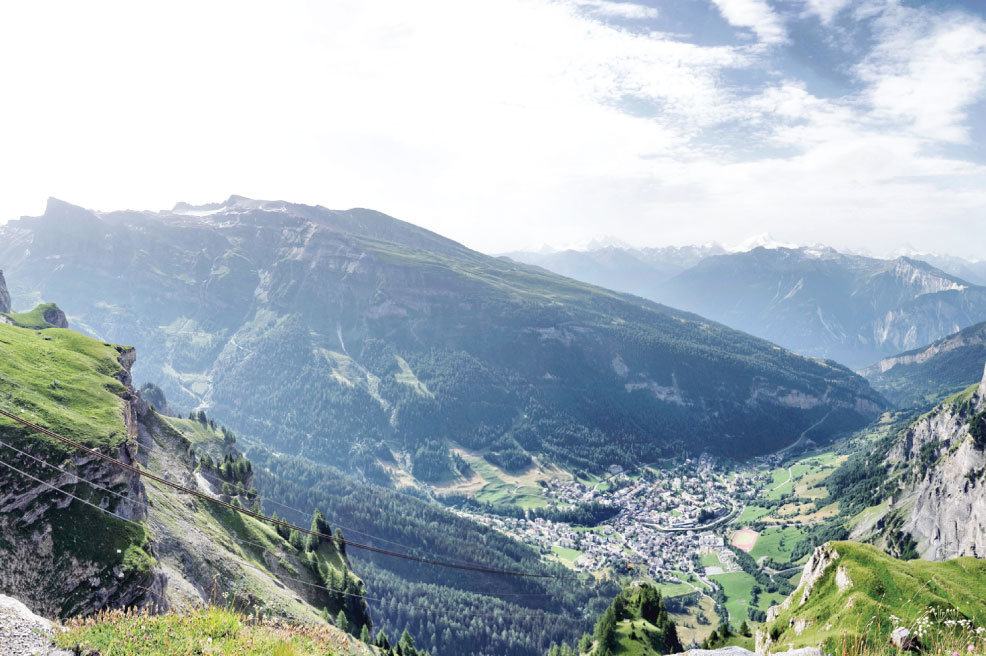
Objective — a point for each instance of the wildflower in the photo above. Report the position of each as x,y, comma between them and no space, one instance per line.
971,648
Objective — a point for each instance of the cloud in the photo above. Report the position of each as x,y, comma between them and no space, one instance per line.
756,15
925,72
500,124
610,9
826,10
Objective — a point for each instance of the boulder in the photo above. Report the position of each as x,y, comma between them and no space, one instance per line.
902,639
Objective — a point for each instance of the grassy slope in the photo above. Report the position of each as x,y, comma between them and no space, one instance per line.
67,382
33,320
882,586
208,631
737,587
64,381
245,542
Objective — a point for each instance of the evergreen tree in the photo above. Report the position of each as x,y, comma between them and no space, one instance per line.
342,622
364,635
296,540
406,644
340,541
605,634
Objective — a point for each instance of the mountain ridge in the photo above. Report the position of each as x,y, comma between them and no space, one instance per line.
398,329
812,299
926,375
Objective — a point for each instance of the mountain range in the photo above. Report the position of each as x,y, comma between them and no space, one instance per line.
814,300
351,337
923,377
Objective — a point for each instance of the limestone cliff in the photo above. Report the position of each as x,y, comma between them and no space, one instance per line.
940,500
64,557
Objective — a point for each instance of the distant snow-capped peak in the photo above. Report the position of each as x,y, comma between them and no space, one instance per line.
763,240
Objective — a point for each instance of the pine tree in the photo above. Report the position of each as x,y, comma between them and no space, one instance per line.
381,641
364,635
296,540
407,644
342,622
319,525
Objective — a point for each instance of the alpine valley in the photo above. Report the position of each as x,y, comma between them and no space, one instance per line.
493,458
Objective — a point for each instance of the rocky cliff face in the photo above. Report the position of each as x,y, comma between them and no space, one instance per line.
4,295
941,503
64,557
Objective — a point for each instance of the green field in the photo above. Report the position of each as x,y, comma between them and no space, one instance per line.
784,480
751,514
675,589
777,543
64,381
737,586
497,490
565,554
711,560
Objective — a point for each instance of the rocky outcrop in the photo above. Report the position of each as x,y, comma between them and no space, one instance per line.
52,556
821,558
943,506
54,315
22,633
4,295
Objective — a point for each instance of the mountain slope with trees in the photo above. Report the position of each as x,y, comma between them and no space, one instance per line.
344,336
924,377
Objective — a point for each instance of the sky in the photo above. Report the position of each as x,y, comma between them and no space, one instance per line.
511,124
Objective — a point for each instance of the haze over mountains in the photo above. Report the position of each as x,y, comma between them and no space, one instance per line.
814,300
330,334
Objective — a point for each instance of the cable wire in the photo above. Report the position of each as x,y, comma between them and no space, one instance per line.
277,522
302,513
167,513
245,564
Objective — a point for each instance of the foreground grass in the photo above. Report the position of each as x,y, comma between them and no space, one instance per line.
941,602
214,631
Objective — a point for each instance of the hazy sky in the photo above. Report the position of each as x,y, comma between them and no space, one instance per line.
512,123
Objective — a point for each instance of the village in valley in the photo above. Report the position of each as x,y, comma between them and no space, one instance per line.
681,526
661,523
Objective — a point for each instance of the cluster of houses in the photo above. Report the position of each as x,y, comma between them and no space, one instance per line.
659,525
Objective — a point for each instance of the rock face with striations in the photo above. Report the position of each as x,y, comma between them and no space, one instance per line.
4,295
944,506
